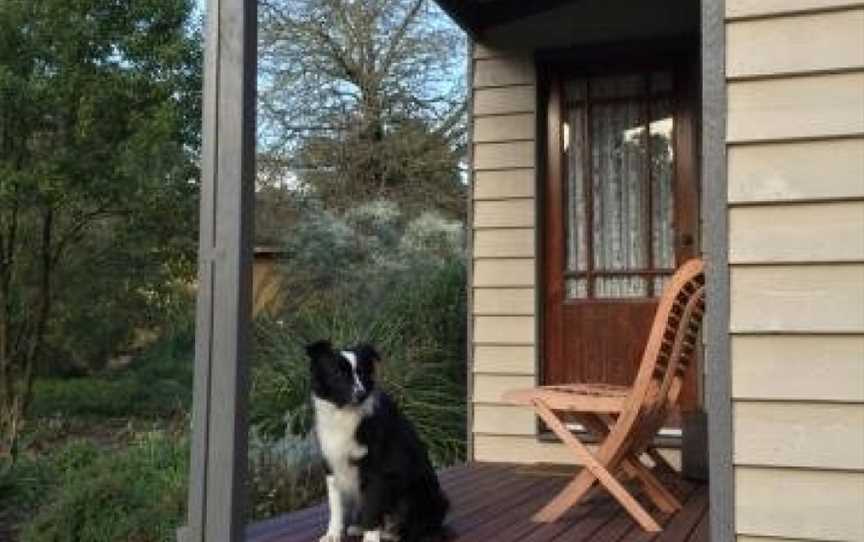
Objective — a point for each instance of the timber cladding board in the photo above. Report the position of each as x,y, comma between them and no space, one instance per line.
798,367
515,360
504,243
805,435
521,126
808,298
797,107
840,45
520,449
527,449
486,51
505,100
504,272
799,171
497,72
504,420
502,184
504,214
517,330
757,8
481,50
504,301
504,155
489,388
797,503
829,232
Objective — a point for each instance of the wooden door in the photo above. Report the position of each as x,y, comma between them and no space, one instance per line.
620,214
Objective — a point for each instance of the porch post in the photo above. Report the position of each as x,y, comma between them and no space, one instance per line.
219,425
718,388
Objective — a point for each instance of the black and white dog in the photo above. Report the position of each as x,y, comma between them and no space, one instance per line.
380,481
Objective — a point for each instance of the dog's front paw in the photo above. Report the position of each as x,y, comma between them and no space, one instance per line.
329,537
372,536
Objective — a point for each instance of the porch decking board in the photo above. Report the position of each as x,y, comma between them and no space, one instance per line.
309,523
496,502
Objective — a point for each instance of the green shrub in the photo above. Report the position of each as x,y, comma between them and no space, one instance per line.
83,492
25,483
371,275
417,324
284,475
138,494
157,384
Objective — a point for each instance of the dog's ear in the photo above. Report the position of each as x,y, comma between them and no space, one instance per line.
319,349
367,352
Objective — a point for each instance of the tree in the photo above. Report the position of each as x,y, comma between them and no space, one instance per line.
362,100
99,115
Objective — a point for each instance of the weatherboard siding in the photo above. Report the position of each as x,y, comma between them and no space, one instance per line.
795,135
504,285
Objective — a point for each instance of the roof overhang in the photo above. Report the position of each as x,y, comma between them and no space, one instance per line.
477,16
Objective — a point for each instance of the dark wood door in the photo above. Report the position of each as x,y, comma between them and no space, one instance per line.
621,212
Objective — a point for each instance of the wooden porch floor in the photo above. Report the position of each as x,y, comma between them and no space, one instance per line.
494,502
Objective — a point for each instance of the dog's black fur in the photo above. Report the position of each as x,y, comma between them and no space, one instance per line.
397,483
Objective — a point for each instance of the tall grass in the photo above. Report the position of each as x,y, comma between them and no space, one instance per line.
372,276
417,325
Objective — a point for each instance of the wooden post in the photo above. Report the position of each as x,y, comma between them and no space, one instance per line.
718,379
219,422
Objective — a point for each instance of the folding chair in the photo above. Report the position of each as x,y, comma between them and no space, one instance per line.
626,419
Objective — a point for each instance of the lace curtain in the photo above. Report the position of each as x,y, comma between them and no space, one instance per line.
620,167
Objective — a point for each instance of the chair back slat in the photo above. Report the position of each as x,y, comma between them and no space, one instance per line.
669,354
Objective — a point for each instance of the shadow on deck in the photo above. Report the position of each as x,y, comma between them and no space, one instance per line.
494,502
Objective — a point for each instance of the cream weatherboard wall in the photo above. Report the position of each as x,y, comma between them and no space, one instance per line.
504,289
795,135
795,131
504,260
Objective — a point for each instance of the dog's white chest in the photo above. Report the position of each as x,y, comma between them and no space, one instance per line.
337,429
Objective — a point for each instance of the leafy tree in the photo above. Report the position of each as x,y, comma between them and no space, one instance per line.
360,100
99,114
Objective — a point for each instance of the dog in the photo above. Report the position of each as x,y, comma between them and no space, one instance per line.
380,481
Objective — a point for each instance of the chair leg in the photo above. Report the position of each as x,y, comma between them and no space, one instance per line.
663,467
660,494
661,462
577,488
570,495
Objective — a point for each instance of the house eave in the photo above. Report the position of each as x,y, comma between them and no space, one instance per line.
478,16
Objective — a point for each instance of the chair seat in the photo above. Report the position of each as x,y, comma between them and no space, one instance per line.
577,397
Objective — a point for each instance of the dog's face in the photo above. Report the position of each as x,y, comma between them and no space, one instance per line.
342,377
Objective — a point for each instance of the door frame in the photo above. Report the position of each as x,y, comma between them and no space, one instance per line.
678,55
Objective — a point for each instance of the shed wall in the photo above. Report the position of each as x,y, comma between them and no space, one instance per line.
795,134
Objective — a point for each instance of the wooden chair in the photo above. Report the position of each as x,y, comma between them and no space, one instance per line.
626,419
